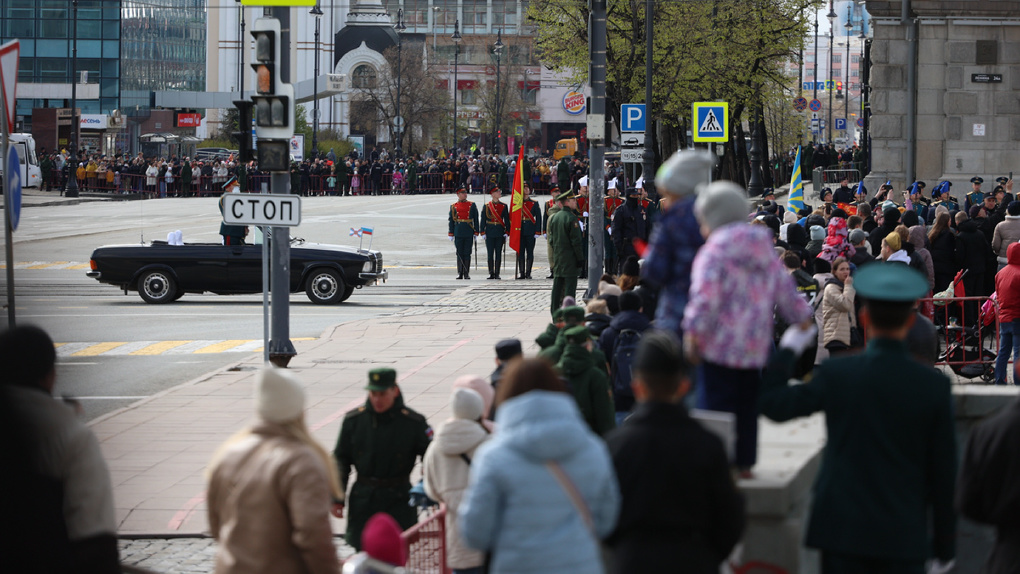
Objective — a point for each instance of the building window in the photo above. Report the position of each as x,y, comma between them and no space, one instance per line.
855,73
855,59
363,77
837,58
467,97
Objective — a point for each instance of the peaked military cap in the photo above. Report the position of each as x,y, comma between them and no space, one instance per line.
565,196
977,180
575,313
577,334
1002,179
381,379
893,282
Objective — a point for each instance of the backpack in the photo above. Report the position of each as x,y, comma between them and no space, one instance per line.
624,350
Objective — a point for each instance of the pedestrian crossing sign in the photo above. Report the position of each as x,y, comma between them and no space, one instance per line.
711,121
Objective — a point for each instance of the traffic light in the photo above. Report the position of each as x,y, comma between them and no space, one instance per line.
839,90
274,100
243,134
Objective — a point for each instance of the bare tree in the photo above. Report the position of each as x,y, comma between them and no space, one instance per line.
422,102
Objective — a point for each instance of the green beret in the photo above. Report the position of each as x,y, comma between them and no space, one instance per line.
381,379
578,334
893,282
565,196
575,313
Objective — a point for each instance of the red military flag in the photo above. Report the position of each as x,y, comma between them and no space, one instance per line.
517,203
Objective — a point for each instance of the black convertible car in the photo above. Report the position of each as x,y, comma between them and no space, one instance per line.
162,273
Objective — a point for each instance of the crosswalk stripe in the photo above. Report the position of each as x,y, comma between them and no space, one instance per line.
221,346
96,349
129,348
158,348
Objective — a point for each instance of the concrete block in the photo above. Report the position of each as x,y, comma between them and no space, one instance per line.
931,76
979,402
1006,103
899,53
880,49
963,161
959,103
974,32
929,155
930,52
954,128
1010,53
992,134
887,126
1013,79
961,52
888,77
886,160
933,32
1011,33
1014,129
954,77
1001,161
931,127
880,102
929,102
897,102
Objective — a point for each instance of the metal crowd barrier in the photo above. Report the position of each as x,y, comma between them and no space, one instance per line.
425,543
835,176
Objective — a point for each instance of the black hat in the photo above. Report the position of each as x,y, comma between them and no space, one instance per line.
897,283
768,191
804,212
631,266
1002,179
612,302
977,180
554,190
495,188
460,189
660,352
630,301
921,184
633,192
825,190
508,349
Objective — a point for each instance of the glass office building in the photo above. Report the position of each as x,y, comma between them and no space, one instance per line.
163,45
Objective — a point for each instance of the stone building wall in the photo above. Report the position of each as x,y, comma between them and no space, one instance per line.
955,39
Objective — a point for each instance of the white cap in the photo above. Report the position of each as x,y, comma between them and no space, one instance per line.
279,397
583,181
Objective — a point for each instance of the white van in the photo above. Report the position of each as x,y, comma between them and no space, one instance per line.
31,173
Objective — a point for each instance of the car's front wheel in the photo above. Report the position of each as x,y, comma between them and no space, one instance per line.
325,287
157,287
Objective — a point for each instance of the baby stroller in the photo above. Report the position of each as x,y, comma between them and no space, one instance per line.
962,343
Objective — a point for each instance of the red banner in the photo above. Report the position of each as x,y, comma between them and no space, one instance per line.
517,202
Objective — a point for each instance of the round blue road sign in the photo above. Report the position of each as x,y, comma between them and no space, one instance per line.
799,104
860,122
815,105
12,187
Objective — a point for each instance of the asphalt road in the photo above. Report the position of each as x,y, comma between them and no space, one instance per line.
114,348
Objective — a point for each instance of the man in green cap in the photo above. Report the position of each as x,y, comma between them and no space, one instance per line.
589,385
552,330
551,208
381,440
567,246
883,499
572,317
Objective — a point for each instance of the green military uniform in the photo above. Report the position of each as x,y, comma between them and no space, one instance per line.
884,493
463,228
563,174
242,176
502,181
295,178
531,225
573,317
46,167
495,224
550,209
589,385
564,234
186,179
382,448
412,177
975,197
232,234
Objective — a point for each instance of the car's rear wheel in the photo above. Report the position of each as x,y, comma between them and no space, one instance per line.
347,293
157,287
325,287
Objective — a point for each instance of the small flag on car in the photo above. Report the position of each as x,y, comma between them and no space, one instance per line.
354,232
366,230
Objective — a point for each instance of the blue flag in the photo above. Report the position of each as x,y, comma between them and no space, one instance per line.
860,187
795,201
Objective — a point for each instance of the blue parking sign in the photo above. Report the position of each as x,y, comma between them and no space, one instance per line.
840,123
632,117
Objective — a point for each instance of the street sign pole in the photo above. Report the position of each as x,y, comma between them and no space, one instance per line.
9,56
8,235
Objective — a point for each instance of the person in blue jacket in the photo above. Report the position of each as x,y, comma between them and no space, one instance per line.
542,492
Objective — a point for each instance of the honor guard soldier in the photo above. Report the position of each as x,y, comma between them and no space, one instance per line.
613,201
463,229
651,208
976,196
565,241
531,227
582,217
382,440
496,225
551,207
940,196
232,234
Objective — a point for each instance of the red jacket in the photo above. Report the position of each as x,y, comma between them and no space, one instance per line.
1007,286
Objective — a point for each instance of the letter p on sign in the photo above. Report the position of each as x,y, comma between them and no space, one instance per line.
632,116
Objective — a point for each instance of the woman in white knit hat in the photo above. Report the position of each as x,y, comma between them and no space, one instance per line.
271,488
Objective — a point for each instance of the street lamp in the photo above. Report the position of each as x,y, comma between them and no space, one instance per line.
317,13
832,19
497,48
71,187
846,85
456,56
398,122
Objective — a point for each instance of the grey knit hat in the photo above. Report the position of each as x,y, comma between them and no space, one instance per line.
720,203
684,172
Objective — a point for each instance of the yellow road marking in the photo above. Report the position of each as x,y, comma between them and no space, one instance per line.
96,349
158,348
46,265
221,346
80,266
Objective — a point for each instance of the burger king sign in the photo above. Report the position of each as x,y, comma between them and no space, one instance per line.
573,103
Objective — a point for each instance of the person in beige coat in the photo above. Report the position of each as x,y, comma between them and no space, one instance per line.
838,314
446,468
270,489
1006,233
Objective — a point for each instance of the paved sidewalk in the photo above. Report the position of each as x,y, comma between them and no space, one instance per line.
157,449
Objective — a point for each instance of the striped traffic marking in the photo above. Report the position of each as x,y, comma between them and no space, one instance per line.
151,348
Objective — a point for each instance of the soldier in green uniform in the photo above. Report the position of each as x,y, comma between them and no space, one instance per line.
572,317
564,235
589,384
551,207
46,167
552,330
976,196
531,226
503,182
242,175
412,177
463,229
563,174
382,440
496,225
232,234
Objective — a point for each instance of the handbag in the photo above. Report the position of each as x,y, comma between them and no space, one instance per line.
856,335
